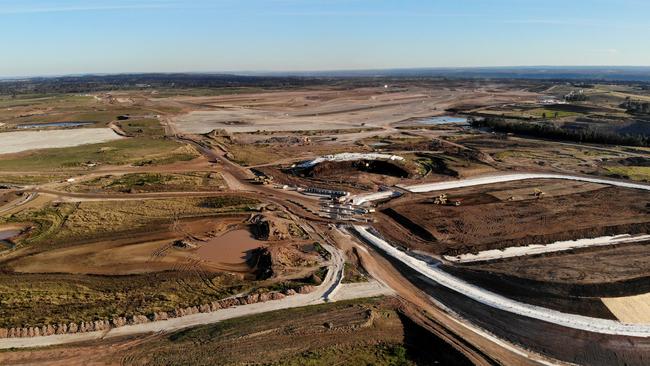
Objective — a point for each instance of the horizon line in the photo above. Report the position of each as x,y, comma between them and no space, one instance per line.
321,71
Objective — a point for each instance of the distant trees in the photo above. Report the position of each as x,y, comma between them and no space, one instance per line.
579,96
636,107
550,131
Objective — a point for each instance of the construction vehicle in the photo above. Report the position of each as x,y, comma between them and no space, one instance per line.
443,200
538,193
263,180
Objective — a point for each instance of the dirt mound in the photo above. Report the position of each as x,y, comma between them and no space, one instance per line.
269,228
279,259
461,151
287,140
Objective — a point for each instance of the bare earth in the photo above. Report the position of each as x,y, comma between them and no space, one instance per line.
325,109
631,309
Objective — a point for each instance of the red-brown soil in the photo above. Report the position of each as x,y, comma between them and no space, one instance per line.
484,222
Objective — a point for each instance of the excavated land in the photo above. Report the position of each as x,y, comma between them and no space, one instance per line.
333,109
354,176
507,215
134,240
574,281
587,268
496,217
549,339
99,260
355,332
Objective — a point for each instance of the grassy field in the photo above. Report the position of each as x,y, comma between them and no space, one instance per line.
204,92
36,300
361,332
358,333
152,182
30,179
143,127
65,224
262,153
62,107
135,151
639,173
536,113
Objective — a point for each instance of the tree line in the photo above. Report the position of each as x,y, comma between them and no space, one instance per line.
550,131
634,107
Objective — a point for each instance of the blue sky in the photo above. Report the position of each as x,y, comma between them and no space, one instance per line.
45,37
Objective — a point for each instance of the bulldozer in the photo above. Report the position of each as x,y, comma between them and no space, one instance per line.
538,193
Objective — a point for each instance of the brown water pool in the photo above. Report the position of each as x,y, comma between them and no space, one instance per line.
234,247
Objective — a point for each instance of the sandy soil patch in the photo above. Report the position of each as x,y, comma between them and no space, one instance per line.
13,142
251,121
106,258
631,309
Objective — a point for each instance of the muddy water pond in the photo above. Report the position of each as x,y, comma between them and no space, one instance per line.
6,234
234,247
442,120
28,126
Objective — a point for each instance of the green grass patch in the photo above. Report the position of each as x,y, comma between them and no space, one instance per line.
151,182
143,127
62,225
36,300
638,173
227,201
353,274
135,151
31,179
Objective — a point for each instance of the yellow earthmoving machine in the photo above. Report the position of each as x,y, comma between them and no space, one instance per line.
440,200
443,200
538,193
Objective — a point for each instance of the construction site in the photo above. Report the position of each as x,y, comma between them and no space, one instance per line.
362,224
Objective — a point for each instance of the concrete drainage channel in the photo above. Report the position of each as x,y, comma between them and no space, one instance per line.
434,273
595,325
